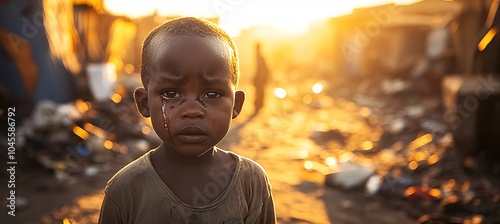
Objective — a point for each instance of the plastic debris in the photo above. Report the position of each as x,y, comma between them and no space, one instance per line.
394,86
349,176
396,186
433,126
91,171
80,137
373,184
397,125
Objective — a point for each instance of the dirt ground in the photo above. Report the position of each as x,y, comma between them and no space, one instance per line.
279,138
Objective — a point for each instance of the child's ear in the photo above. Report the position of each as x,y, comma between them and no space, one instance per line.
141,100
239,99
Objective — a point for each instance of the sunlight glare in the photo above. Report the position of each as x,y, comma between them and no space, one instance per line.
280,93
292,17
317,88
133,9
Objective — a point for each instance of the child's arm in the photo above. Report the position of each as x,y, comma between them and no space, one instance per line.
110,212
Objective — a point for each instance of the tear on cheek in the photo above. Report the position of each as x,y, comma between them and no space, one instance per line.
166,116
164,112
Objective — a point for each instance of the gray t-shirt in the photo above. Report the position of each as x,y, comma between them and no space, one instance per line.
136,194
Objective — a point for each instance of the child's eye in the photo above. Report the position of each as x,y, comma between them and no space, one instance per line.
212,95
171,94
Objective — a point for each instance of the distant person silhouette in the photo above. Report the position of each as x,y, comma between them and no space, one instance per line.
260,79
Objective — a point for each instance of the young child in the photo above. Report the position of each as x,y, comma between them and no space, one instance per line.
190,70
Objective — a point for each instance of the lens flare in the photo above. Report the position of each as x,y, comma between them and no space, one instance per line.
108,144
280,93
317,88
308,165
80,132
331,161
116,98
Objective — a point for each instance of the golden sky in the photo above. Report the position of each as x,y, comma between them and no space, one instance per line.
237,15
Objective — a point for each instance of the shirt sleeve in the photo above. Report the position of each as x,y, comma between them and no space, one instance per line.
268,213
262,204
110,212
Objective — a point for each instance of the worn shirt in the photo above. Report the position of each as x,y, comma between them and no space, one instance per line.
137,194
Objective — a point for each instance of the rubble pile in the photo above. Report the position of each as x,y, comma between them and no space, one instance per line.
81,137
409,155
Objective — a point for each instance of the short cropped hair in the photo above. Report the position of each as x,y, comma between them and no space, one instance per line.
188,26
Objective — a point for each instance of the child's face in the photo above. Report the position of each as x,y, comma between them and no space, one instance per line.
190,96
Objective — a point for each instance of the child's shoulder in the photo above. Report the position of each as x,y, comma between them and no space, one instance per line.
249,167
252,176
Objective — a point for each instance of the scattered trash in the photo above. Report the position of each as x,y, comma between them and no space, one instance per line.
390,185
421,193
79,137
349,176
91,171
393,86
433,126
415,111
397,125
83,150
42,117
373,185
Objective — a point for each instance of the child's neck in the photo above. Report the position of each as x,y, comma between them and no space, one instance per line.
170,155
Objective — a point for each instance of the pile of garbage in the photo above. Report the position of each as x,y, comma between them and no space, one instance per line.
413,159
424,172
82,137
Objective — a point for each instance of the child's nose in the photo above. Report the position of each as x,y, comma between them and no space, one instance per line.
192,109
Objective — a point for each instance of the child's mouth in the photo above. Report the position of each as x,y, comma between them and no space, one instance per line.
192,135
